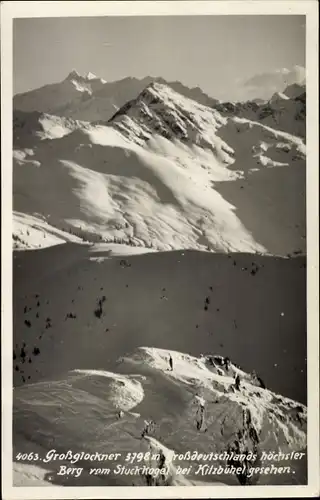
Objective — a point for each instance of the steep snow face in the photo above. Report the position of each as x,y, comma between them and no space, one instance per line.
168,415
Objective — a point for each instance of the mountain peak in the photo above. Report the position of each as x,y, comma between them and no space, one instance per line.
278,96
153,93
73,74
159,110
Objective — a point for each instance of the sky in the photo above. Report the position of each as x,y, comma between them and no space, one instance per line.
226,56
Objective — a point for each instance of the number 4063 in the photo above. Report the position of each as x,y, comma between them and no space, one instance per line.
27,456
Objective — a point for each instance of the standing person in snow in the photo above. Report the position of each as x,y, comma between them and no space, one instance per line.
237,383
162,459
149,425
227,363
162,464
211,362
120,414
200,415
145,429
171,362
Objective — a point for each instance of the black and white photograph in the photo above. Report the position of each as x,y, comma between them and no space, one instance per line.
159,251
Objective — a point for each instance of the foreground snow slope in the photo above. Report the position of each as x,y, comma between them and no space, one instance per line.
79,413
167,172
69,301
92,336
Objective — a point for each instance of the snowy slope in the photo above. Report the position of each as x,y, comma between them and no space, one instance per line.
30,232
29,128
285,111
188,301
68,305
270,198
79,413
153,176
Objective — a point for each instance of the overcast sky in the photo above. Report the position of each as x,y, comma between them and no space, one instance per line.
217,53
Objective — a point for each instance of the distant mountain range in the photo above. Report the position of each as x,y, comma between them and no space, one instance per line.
91,98
284,111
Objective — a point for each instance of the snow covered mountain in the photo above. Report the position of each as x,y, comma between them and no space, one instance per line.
166,172
264,85
250,420
112,96
79,360
50,97
285,110
295,90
